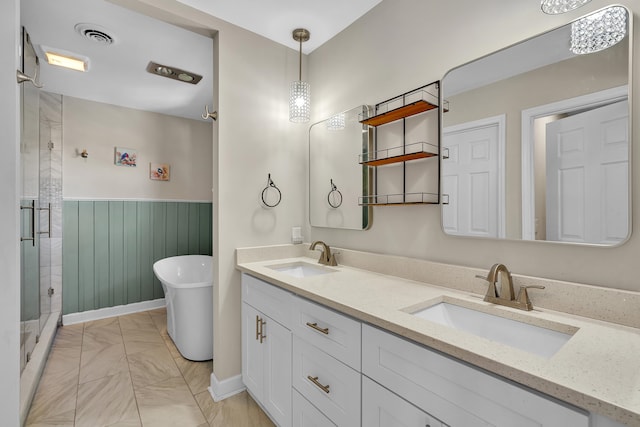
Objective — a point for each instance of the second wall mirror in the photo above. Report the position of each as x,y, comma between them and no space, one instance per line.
336,179
539,137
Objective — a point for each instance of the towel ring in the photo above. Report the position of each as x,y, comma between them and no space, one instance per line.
271,184
334,198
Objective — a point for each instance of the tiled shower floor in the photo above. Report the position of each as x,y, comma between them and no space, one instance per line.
126,371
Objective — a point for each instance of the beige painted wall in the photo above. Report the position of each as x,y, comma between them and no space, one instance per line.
403,44
183,143
252,138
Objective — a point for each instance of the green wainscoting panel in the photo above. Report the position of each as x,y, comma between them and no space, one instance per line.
109,248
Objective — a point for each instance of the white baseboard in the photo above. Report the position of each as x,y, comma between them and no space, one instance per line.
119,310
220,390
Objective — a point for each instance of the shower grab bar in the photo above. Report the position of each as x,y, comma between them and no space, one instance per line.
22,77
48,232
33,223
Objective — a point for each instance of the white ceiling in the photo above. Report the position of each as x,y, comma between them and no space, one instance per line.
117,73
276,19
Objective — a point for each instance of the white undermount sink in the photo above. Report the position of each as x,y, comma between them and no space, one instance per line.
301,269
524,336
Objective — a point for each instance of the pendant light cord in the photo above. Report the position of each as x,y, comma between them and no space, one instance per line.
300,62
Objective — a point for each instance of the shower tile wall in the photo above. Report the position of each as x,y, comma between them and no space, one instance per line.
51,192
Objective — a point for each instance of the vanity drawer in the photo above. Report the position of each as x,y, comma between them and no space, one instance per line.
454,392
330,385
382,408
332,332
269,299
307,415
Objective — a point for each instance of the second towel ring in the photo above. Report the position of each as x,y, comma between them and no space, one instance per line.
334,198
271,184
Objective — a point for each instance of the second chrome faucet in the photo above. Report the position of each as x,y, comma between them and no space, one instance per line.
500,274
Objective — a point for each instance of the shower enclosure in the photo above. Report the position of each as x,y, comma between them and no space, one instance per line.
35,300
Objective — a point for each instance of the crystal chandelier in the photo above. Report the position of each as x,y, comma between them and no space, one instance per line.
554,7
599,30
300,94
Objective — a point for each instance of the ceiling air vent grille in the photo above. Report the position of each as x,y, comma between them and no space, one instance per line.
95,33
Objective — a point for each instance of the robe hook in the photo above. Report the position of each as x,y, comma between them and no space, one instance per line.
206,115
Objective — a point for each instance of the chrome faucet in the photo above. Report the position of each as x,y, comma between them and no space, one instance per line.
506,296
326,257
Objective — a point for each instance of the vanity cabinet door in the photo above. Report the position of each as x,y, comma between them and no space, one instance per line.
277,370
266,346
252,353
454,392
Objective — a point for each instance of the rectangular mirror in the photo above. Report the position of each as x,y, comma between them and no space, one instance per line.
538,137
336,179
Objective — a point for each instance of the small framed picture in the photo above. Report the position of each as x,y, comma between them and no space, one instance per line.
159,171
125,157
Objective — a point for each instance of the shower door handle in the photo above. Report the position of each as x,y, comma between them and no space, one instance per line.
32,225
48,232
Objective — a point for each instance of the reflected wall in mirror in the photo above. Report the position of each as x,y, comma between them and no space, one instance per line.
336,179
539,142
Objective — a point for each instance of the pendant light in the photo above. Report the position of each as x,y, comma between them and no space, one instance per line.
300,94
554,7
599,30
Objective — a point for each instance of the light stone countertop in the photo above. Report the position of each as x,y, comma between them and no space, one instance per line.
598,369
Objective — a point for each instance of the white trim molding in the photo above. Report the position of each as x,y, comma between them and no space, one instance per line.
589,101
220,390
119,310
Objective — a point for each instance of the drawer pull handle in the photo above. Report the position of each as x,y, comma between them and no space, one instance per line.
257,327
318,328
314,380
262,335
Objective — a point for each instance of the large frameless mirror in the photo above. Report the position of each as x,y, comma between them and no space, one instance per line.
538,137
336,179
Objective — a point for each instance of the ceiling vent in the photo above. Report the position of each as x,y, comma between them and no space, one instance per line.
95,33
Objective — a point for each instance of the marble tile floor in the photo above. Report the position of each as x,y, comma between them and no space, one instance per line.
126,371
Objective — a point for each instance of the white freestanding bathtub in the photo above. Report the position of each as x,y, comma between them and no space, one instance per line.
188,290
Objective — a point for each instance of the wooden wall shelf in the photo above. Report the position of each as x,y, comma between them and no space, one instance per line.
408,110
403,153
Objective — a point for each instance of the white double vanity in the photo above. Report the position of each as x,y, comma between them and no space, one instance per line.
343,346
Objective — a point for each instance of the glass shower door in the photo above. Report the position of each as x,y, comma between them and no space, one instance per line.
29,224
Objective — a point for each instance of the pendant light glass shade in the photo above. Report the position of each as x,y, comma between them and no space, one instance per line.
554,7
337,122
300,102
300,93
599,30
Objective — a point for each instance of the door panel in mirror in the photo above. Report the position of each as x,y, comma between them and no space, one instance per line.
532,85
336,179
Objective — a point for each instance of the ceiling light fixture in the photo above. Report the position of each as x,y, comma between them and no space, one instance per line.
554,7
599,30
300,94
66,60
173,73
